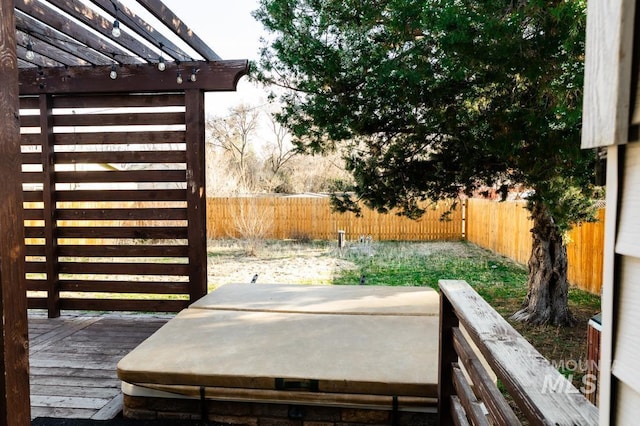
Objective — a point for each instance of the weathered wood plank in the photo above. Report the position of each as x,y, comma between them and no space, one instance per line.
71,28
168,269
14,357
140,78
196,194
120,157
525,373
110,410
68,401
122,176
49,211
118,138
155,287
62,413
446,356
499,409
123,251
167,17
458,416
58,390
607,80
468,400
118,195
118,100
130,19
102,120
124,305
100,24
147,232
61,330
73,373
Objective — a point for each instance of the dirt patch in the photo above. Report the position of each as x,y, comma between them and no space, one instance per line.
274,263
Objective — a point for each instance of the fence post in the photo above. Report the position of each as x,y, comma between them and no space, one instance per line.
446,356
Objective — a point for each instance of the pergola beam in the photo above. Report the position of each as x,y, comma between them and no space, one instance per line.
213,76
14,354
149,33
167,17
73,30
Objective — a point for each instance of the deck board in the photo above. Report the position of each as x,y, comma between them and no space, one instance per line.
73,361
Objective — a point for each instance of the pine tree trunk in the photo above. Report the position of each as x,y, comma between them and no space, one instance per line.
547,296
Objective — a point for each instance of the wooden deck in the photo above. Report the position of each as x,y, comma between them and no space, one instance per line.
73,361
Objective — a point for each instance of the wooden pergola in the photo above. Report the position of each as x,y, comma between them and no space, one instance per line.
102,140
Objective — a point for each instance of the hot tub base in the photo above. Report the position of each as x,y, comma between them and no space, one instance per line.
255,413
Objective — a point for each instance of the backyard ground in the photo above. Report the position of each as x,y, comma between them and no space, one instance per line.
499,280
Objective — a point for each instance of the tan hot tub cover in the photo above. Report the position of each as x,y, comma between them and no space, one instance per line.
296,338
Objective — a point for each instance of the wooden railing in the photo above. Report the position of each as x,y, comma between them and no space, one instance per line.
542,394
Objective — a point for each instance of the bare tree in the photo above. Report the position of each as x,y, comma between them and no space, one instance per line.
278,152
234,134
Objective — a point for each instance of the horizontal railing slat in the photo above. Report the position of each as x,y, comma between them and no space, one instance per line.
117,176
457,412
107,157
499,409
111,268
120,195
93,232
468,400
148,287
123,305
123,250
160,213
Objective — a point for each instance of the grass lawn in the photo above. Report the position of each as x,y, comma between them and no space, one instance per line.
499,280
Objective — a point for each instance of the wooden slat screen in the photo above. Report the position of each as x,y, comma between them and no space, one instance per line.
106,202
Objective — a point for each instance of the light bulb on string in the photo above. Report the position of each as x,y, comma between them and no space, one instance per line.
115,31
30,54
161,64
113,74
193,76
179,78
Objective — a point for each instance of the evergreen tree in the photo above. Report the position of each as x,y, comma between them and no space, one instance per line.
439,98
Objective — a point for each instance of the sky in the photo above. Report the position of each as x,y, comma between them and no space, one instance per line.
229,29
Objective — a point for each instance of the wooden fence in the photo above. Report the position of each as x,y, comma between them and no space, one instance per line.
312,218
504,227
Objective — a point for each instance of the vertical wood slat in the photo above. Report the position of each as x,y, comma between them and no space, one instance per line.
196,193
14,342
446,357
49,199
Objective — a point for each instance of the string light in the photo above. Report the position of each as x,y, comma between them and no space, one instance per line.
193,76
30,54
115,31
179,78
113,74
161,64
